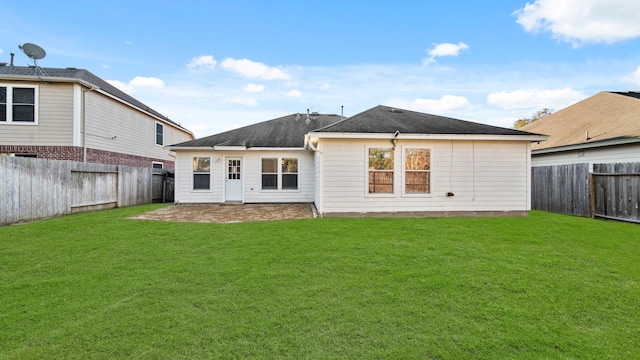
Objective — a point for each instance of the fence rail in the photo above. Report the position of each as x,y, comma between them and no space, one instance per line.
561,189
32,189
616,191
611,191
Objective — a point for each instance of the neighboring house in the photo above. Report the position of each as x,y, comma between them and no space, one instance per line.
379,162
71,114
604,128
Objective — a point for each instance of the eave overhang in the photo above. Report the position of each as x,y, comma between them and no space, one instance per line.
330,135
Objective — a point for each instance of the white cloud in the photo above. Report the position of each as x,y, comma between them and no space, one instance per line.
254,70
253,88
146,82
105,66
445,104
535,98
293,93
247,101
582,21
204,62
633,78
325,86
444,49
138,82
121,86
1,51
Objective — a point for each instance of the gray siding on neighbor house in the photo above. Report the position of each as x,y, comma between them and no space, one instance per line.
55,118
610,154
114,126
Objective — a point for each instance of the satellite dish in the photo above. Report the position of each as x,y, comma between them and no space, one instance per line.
33,51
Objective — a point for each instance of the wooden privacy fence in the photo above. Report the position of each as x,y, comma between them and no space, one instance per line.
33,189
561,189
163,185
611,191
615,191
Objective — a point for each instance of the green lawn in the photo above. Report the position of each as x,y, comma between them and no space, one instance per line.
100,286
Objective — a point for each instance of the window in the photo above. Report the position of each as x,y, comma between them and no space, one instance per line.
283,177
201,173
380,170
269,174
18,104
289,174
159,134
157,165
417,171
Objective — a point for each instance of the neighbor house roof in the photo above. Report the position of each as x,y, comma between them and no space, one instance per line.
606,115
284,132
29,73
385,119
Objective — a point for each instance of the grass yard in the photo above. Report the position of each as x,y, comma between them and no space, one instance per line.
99,286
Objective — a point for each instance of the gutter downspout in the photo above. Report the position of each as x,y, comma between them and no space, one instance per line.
84,125
310,144
84,121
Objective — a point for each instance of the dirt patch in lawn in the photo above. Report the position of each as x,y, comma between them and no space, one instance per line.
230,213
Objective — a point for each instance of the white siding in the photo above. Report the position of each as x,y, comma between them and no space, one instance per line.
317,176
483,175
251,177
614,154
55,118
113,126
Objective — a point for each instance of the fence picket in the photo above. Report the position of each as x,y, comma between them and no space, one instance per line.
33,189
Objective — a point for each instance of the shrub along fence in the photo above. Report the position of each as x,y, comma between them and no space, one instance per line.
33,189
611,191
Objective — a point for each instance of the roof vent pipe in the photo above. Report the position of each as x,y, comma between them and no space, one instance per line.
12,55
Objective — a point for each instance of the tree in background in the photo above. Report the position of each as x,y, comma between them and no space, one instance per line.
535,117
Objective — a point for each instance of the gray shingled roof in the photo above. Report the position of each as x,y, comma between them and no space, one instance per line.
283,132
79,74
633,94
384,119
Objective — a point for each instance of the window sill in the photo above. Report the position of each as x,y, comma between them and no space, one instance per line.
279,191
418,195
20,123
381,195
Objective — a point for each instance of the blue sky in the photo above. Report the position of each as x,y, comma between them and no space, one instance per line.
217,65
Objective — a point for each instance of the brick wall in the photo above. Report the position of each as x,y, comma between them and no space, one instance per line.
75,153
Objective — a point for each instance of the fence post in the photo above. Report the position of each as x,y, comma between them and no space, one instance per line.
592,196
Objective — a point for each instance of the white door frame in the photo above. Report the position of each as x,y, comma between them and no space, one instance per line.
229,184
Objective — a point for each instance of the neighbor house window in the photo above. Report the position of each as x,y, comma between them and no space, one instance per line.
159,134
279,174
201,173
380,170
18,104
417,171
157,165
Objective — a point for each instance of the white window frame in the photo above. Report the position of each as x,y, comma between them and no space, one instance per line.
366,171
155,132
9,104
280,173
157,163
193,173
404,171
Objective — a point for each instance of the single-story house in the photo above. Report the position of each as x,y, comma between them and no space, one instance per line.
604,128
380,162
